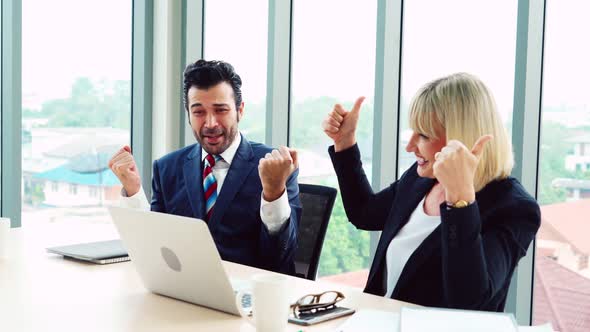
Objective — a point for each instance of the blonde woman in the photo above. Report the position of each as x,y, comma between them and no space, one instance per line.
455,225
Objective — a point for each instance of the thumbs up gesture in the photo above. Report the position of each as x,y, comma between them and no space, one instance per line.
455,167
340,125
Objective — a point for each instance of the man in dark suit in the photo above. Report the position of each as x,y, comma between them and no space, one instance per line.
252,215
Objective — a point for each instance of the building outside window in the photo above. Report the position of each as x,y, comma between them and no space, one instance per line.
73,189
562,274
76,107
92,191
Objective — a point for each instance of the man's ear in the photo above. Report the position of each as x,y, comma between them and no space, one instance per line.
240,111
188,116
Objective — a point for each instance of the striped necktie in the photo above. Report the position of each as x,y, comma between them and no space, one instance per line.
210,184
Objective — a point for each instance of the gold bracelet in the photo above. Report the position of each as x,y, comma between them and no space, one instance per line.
459,204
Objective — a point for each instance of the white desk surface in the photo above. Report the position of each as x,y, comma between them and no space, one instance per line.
44,292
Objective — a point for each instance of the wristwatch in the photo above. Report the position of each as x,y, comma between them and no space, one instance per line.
458,204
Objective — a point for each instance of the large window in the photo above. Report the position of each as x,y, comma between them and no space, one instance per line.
446,37
233,36
562,268
76,60
333,62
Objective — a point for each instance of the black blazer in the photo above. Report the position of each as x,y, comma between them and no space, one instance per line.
467,261
235,225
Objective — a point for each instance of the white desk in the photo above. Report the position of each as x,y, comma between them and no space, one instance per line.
43,292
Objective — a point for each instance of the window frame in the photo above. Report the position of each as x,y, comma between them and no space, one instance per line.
526,128
11,124
141,88
388,64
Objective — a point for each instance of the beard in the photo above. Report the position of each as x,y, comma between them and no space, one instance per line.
222,138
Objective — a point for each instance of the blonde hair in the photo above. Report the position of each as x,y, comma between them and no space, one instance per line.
465,109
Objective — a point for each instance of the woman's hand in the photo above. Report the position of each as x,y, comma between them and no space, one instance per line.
340,125
455,167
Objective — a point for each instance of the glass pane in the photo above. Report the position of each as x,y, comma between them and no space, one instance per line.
562,271
333,61
76,99
445,37
244,45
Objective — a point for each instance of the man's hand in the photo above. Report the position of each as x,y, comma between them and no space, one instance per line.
340,125
455,167
124,167
274,169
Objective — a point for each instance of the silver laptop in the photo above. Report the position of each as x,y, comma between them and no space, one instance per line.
176,257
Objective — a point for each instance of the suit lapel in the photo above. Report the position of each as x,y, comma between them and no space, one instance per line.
418,257
405,205
421,254
239,169
193,180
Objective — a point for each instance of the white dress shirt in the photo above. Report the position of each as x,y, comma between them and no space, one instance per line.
273,214
406,241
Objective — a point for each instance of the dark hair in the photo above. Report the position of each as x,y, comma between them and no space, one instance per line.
205,74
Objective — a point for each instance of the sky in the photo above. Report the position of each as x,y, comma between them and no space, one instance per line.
333,46
66,39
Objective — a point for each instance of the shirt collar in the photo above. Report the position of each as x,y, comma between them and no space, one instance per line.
229,153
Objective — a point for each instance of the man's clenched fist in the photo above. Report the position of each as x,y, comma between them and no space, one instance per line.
274,169
124,167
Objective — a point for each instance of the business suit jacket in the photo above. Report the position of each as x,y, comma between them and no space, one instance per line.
467,261
235,225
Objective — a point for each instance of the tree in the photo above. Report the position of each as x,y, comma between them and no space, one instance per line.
345,247
102,104
553,151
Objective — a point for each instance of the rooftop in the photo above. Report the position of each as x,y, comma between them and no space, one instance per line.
64,174
571,183
567,221
584,138
354,279
561,296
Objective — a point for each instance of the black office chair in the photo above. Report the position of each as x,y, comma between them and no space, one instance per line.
317,202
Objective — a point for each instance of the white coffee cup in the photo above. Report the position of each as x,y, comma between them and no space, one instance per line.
270,302
4,230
